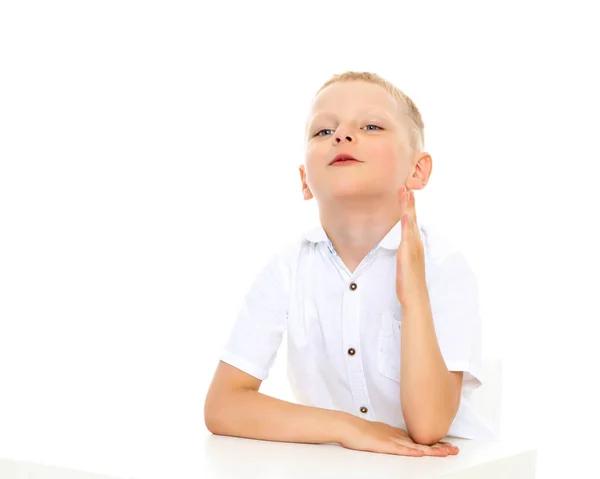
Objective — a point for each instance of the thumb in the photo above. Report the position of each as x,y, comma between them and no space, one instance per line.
405,225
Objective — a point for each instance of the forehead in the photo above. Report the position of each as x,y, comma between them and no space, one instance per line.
350,96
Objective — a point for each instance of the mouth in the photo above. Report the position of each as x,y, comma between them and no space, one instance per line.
343,159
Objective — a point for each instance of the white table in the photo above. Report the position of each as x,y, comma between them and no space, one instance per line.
26,470
229,457
217,457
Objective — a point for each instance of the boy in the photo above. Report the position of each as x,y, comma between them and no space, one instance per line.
380,313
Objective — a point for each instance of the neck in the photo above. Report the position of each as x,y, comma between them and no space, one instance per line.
356,225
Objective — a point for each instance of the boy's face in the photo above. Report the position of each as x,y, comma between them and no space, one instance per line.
364,121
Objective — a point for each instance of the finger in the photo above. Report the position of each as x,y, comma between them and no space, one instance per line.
452,449
402,450
412,213
403,199
431,450
405,215
427,450
407,210
435,451
406,226
411,207
447,444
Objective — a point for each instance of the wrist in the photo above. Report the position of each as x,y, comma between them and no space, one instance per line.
418,303
346,426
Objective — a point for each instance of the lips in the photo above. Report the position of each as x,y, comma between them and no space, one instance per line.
344,158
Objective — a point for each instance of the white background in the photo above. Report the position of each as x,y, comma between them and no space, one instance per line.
149,155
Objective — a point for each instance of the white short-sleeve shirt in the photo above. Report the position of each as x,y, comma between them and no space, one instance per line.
343,328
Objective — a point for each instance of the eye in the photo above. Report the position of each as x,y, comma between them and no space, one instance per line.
375,128
323,132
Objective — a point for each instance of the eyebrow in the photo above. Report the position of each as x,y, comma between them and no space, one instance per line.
365,111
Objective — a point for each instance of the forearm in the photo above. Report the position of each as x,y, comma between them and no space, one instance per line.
248,413
428,396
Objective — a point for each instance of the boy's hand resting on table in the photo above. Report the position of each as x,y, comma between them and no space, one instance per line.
364,435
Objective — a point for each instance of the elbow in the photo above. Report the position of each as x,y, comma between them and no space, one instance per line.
429,427
217,424
427,437
211,423
213,417
428,433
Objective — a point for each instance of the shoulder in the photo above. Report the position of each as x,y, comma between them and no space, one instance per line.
298,243
284,260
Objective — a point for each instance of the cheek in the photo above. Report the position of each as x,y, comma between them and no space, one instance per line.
316,148
391,163
314,156
386,155
311,151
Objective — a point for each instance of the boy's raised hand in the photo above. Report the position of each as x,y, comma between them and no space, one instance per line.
410,264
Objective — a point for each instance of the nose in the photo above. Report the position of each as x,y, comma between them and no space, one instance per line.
338,138
342,134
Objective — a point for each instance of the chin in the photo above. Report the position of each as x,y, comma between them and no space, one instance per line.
350,190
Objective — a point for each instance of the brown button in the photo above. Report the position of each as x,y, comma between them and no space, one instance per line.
353,286
364,410
351,351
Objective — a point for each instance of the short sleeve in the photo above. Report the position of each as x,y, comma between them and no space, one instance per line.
454,300
261,321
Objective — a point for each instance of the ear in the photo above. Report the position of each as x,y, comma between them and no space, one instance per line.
307,194
421,172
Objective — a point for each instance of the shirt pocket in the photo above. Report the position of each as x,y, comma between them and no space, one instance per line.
389,345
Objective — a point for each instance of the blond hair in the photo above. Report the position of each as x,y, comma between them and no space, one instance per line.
409,108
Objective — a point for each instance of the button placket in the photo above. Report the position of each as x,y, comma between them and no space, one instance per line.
351,329
351,339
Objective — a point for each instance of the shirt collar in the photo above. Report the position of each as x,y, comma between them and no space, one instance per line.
390,241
